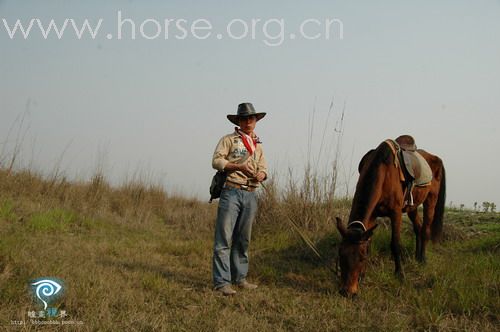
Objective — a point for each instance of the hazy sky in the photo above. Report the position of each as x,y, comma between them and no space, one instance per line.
429,68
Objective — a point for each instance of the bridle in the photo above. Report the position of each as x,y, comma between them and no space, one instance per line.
356,222
359,242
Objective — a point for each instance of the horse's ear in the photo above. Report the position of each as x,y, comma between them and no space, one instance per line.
369,232
341,227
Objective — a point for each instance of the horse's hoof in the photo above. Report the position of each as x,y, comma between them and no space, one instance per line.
420,258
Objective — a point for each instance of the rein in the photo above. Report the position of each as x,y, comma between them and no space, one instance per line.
310,244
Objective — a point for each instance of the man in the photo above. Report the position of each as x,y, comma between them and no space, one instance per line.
240,155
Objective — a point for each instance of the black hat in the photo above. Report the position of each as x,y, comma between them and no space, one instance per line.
244,110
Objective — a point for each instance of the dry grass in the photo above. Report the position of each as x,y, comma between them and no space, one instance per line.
134,258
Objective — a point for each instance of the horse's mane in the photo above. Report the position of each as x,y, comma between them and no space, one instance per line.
368,172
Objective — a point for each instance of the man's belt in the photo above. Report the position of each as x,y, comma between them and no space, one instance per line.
230,184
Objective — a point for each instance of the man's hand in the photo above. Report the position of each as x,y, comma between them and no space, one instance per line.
260,176
245,168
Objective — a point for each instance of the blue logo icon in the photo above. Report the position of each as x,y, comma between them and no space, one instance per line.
47,289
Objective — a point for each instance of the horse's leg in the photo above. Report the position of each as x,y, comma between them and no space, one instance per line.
425,232
369,248
417,227
368,251
396,219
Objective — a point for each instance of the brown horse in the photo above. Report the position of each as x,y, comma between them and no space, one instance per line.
380,192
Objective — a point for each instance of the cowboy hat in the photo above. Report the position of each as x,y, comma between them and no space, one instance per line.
244,110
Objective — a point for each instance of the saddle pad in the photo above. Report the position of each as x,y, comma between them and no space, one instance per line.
418,167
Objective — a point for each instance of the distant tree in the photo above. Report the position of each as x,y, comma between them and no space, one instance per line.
486,206
475,206
493,207
462,207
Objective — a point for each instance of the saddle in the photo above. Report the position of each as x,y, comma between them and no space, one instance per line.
414,169
413,162
407,143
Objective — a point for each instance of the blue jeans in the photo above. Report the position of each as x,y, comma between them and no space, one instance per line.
233,228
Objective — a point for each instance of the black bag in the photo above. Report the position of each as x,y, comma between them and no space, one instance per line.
217,183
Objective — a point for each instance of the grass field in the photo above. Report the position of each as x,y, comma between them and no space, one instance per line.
133,258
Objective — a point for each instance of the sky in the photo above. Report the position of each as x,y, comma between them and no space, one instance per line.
158,106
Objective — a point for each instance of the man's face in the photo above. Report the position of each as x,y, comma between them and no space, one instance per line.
247,124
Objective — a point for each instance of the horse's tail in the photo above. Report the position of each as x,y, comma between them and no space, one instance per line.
437,222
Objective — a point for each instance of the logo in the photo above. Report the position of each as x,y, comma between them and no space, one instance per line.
47,290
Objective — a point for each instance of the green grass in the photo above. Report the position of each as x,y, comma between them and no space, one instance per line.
52,220
126,270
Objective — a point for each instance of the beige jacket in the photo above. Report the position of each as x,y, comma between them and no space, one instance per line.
231,149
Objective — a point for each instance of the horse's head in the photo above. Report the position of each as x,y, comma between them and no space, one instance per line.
353,254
